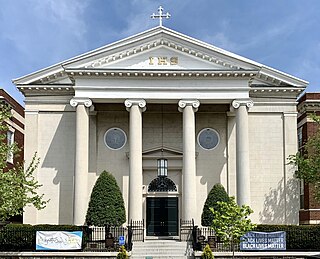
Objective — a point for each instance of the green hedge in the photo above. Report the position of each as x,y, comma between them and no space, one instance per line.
22,237
302,237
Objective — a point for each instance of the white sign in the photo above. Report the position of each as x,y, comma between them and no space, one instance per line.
58,240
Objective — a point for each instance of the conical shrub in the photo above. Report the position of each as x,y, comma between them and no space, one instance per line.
217,193
106,206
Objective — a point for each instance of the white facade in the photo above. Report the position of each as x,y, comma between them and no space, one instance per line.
162,88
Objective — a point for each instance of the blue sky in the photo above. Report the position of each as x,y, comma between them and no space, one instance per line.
283,34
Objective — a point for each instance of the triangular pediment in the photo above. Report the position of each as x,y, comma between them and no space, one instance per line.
160,58
159,49
157,152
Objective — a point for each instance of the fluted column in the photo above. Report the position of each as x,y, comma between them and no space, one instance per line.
80,203
135,107
188,108
242,151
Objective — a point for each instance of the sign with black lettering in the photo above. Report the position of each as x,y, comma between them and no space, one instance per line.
263,241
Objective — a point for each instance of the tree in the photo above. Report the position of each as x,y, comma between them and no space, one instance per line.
231,221
217,193
18,187
307,162
106,206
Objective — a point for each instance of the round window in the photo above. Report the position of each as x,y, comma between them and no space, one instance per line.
208,138
115,138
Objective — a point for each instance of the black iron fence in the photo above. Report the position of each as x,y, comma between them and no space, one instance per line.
108,238
99,239
298,238
205,235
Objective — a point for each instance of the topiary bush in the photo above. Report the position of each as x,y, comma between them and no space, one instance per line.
207,253
106,206
217,193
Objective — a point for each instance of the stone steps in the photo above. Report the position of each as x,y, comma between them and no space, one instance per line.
161,249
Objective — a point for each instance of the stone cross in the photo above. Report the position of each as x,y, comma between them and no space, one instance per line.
160,15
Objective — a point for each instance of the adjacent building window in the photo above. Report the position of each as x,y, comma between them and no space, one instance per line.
300,137
301,194
10,141
208,138
115,138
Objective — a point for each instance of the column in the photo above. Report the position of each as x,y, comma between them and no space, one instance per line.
242,151
80,203
188,108
135,107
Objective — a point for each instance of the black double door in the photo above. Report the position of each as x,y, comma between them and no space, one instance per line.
162,216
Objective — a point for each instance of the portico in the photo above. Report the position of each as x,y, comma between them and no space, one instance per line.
214,116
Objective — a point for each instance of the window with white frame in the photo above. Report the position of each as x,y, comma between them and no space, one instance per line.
10,141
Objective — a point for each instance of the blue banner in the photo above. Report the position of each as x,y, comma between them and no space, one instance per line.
263,241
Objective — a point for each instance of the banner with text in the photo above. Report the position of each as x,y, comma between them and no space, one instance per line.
58,240
263,241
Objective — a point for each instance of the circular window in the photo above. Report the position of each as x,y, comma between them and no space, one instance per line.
115,138
208,138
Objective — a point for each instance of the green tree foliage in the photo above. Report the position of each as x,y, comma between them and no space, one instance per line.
307,162
207,253
217,193
231,221
106,206
18,187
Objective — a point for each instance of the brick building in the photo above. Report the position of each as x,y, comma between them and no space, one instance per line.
308,103
15,132
16,124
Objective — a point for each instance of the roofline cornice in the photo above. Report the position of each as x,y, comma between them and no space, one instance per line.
139,73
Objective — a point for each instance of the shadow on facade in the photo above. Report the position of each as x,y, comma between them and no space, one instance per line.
281,204
58,163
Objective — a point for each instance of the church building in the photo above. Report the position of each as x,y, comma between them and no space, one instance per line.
169,116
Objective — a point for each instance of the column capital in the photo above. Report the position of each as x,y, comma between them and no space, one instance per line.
140,102
183,103
241,102
74,102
